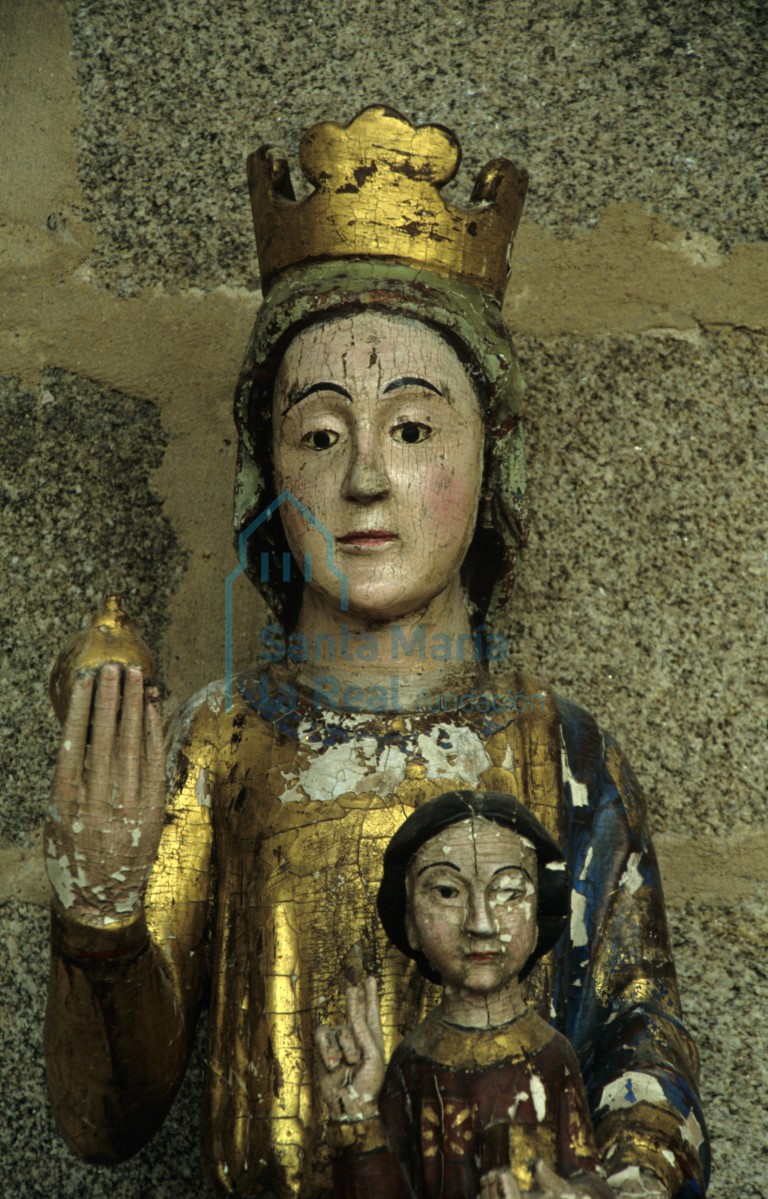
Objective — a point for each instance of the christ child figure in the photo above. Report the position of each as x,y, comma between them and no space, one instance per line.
483,1098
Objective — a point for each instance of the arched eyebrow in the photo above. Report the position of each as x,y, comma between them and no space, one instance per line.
518,869
411,381
295,397
429,865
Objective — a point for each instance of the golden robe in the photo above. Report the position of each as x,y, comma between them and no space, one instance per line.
262,903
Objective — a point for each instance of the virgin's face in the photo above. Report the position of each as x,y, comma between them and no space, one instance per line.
472,905
377,431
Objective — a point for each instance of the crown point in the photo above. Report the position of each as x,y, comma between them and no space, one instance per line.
376,194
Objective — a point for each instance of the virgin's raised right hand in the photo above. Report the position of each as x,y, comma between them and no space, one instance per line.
108,798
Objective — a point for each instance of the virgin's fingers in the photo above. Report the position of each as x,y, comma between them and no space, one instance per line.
69,763
153,765
101,748
130,737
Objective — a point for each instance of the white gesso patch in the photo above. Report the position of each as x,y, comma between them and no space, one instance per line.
692,1131
466,747
62,880
628,1174
587,861
212,696
639,1183
340,769
632,878
127,905
555,866
539,1097
359,765
202,794
578,926
632,1088
520,1097
578,790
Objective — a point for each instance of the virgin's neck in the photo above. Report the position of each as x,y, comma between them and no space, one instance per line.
426,651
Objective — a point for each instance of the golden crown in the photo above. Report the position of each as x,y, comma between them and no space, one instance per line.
377,194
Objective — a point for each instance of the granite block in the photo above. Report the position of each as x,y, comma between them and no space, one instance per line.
78,520
720,954
642,592
719,951
601,101
34,1161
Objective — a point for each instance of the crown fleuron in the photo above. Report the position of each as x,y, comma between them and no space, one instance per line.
377,194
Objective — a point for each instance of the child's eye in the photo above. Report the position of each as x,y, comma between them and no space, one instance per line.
320,439
411,432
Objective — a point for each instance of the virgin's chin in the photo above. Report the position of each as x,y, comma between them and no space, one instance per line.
385,602
375,601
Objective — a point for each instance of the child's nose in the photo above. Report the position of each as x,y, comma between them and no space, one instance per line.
478,919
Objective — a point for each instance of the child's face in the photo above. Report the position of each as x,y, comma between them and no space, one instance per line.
472,905
378,432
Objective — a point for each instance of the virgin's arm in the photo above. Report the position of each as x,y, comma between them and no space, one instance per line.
125,988
622,1009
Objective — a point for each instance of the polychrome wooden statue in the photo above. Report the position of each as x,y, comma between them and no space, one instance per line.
483,1097
380,505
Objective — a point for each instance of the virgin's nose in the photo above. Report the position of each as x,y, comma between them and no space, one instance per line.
478,917
366,478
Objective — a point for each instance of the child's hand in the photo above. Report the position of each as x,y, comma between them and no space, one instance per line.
499,1184
352,1057
549,1185
632,1183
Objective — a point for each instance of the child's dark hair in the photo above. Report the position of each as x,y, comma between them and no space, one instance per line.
553,910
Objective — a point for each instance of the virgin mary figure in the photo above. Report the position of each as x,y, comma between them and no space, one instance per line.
380,506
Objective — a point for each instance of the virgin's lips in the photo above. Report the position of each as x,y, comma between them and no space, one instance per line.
367,537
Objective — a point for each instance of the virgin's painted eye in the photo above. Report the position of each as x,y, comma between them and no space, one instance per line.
411,432
445,891
509,894
320,439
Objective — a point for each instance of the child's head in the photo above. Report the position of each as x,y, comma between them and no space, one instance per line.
474,889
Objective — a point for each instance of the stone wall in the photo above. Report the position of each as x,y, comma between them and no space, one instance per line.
640,302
